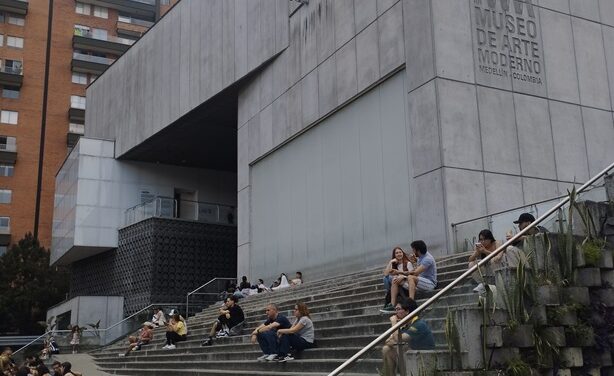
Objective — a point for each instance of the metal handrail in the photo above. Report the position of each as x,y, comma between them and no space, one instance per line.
467,273
52,332
187,297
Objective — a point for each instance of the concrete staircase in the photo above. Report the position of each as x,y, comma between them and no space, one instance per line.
345,312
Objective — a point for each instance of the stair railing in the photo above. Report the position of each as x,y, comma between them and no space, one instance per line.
198,289
466,274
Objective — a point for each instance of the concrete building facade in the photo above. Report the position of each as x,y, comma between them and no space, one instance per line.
360,124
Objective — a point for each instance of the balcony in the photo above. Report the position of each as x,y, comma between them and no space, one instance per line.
106,44
89,64
14,6
76,115
143,9
166,207
8,153
11,76
75,131
132,27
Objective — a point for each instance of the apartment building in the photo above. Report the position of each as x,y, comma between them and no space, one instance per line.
50,51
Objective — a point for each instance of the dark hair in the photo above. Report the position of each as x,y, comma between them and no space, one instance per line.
261,280
42,369
23,371
299,274
67,366
244,278
420,246
302,309
56,363
408,304
487,235
233,298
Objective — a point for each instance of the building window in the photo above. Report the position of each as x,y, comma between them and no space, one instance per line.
79,78
3,249
1,17
5,196
16,20
1,40
12,66
99,34
6,170
77,102
9,117
81,8
8,143
11,92
81,30
16,42
101,12
5,224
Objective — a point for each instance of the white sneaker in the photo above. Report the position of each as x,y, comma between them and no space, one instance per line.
171,347
165,347
271,357
480,288
262,358
121,354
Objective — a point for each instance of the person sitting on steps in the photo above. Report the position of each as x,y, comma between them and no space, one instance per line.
176,331
266,333
230,321
299,336
486,245
145,336
395,276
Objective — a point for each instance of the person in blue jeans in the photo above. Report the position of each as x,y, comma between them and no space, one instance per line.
266,333
299,336
395,277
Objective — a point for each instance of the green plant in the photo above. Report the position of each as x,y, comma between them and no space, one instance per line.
516,296
567,244
592,249
518,367
453,339
581,332
545,345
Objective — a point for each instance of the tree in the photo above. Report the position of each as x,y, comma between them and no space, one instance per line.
28,287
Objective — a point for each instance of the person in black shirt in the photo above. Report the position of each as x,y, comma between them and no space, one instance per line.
231,316
244,283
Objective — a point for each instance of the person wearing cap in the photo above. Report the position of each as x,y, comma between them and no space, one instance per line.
145,336
510,255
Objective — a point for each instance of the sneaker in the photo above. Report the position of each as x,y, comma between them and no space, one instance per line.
165,347
480,288
262,358
222,334
388,308
271,357
286,358
171,347
207,342
121,354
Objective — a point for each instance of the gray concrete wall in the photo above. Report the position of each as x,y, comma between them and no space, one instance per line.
197,49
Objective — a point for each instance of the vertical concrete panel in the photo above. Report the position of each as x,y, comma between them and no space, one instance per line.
423,137
295,115
254,37
280,74
281,25
365,12
332,193
309,50
240,36
325,30
428,200
280,120
266,129
588,9
346,72
452,36
384,5
569,145
265,82
242,157
196,19
249,100
599,133
309,98
216,48
344,21
243,207
460,134
298,193
367,57
558,5
184,58
502,192
520,83
465,194
535,137
228,42
253,142
608,39
590,56
561,75
498,131
606,9
243,260
327,85
538,190
294,50
314,199
166,86
267,28
418,36
206,32
175,74
391,44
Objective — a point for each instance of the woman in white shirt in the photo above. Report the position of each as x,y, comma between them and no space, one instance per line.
395,276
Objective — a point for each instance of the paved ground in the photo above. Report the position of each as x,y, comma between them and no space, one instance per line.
83,363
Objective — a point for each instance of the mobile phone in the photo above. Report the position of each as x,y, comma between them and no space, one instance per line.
478,244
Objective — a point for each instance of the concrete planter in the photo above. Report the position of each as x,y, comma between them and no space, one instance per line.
588,277
585,338
494,336
548,295
521,336
562,316
571,357
606,262
606,296
576,294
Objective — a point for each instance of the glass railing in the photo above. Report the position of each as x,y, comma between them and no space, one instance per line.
166,207
134,21
8,147
460,335
207,294
501,223
92,59
5,230
76,128
12,70
94,337
107,38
